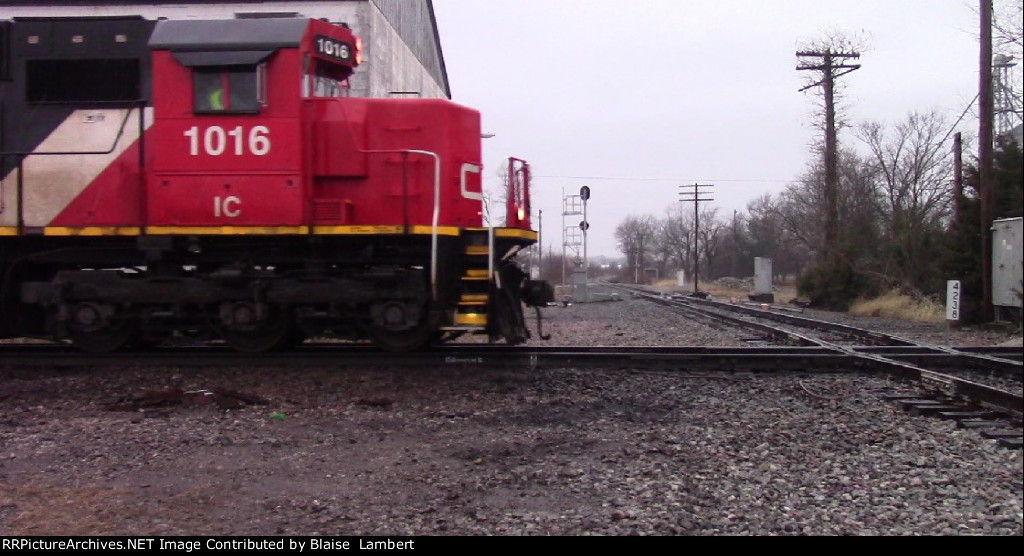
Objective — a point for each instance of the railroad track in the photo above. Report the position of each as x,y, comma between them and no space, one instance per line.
978,387
994,408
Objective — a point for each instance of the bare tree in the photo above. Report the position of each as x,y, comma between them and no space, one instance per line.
675,238
1008,26
709,238
635,235
914,170
801,205
661,249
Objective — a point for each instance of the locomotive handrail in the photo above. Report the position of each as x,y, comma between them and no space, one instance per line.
490,249
141,104
437,207
436,219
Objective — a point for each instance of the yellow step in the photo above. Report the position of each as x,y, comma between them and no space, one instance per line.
477,250
475,274
473,299
470,319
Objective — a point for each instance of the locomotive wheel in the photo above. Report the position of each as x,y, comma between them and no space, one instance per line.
97,327
267,337
105,340
402,341
249,335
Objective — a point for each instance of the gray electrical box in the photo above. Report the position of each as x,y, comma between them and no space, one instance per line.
1007,265
762,276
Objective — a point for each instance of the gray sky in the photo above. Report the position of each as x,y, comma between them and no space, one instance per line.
637,98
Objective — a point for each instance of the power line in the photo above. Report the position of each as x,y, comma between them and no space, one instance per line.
613,178
961,118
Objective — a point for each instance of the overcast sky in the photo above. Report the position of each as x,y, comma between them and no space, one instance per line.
634,99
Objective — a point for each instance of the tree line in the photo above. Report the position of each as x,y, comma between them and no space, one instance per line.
897,225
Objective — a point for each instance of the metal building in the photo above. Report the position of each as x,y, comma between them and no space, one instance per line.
401,48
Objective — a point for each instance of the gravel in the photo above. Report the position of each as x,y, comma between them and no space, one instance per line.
465,451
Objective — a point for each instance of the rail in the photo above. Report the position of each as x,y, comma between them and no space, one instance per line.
866,357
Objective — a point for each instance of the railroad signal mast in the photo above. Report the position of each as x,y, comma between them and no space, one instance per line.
574,237
585,225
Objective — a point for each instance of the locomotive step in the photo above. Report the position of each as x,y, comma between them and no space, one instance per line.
470,319
472,299
476,250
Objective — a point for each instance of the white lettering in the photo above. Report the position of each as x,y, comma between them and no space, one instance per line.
237,134
229,207
215,140
259,140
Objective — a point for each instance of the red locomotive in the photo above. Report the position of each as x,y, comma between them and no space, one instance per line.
191,177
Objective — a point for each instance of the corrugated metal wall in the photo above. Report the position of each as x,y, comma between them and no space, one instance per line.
414,22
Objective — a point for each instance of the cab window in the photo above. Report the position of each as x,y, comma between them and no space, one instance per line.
229,89
321,80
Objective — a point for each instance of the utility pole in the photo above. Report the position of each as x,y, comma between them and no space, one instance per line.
701,193
540,244
832,66
735,246
986,104
958,180
638,259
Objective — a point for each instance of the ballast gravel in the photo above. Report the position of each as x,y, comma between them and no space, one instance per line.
460,450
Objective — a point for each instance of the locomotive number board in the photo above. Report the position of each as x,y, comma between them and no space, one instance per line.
333,49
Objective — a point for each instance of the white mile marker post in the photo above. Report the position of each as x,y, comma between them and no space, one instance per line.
953,294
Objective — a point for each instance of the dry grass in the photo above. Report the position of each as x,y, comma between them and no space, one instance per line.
783,292
900,306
